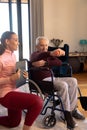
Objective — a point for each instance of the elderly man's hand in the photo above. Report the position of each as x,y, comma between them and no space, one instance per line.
62,52
57,52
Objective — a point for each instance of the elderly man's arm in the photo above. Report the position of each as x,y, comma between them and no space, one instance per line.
58,52
39,63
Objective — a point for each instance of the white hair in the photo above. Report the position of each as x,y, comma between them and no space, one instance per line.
40,38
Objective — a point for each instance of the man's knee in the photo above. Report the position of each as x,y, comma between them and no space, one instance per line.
74,82
61,86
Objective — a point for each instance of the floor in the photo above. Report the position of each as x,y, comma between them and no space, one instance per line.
38,124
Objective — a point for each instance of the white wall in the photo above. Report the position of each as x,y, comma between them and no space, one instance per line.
66,20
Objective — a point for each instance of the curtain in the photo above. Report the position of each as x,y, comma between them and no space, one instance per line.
36,21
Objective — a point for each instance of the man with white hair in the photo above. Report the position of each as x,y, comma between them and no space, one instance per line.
66,87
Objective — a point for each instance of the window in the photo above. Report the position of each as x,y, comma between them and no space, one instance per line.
5,24
4,17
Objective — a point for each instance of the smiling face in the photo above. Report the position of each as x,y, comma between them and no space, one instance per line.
12,43
42,46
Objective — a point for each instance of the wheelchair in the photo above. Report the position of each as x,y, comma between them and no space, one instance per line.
44,89
48,94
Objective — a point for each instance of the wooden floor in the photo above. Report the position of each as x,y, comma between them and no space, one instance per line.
81,77
82,84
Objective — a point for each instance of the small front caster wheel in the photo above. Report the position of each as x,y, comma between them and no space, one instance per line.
49,121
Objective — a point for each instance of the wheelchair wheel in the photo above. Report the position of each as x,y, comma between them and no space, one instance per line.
37,87
49,121
38,90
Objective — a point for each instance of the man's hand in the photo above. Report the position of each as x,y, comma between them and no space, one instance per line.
62,52
57,52
39,63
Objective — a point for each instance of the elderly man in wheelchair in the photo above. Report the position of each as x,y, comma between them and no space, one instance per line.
66,87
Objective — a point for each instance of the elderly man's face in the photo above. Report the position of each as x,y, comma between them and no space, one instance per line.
42,46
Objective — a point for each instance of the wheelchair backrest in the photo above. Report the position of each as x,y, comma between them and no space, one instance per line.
45,86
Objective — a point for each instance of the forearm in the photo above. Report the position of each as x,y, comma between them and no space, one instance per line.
57,53
39,63
39,56
35,64
53,61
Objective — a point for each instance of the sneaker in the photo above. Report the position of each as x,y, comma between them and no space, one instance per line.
76,114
